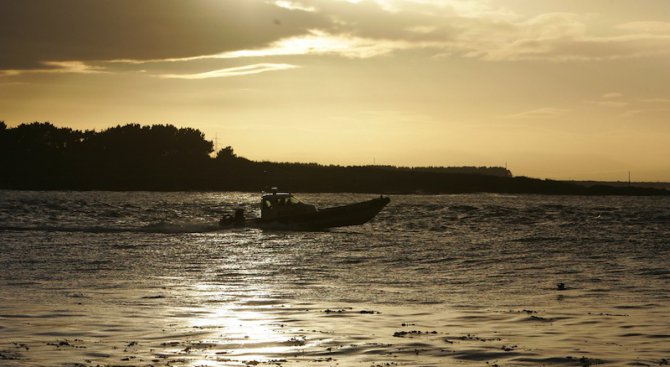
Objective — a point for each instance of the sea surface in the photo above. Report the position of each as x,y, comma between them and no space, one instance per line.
148,279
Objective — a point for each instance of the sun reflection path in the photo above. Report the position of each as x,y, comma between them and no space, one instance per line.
247,333
249,326
239,327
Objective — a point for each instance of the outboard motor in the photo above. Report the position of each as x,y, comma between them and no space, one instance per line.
239,216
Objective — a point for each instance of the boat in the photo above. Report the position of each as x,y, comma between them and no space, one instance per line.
284,211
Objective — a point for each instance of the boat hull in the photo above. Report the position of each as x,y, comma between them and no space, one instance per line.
340,216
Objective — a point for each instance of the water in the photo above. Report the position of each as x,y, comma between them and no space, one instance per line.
143,278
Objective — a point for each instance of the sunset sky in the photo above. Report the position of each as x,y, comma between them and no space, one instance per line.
565,89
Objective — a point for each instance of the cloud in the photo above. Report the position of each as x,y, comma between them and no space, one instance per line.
655,100
633,106
658,113
57,67
294,5
314,42
34,31
422,29
610,104
555,37
646,27
321,43
611,95
73,67
537,114
235,71
470,29
610,100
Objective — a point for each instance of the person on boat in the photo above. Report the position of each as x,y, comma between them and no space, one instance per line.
233,220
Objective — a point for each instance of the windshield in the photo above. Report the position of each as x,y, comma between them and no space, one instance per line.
293,200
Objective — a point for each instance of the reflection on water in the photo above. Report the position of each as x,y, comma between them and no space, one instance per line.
151,331
433,281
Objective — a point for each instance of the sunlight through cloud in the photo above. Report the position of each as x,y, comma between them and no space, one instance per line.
322,43
294,5
235,71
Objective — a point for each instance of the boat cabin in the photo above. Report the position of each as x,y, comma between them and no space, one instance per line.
278,205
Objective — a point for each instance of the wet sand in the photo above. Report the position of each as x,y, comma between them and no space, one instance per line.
180,327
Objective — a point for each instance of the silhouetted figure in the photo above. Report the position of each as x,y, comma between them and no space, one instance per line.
235,220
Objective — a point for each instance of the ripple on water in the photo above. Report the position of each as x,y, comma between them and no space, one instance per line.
116,278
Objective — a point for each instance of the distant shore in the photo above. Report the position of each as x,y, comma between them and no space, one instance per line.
40,156
654,185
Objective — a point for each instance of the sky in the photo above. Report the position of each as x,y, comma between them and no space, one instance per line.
562,89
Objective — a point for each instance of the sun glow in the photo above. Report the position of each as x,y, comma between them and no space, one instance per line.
321,43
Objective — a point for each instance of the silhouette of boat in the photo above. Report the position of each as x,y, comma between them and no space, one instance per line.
285,211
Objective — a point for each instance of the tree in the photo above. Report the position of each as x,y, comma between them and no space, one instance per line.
226,153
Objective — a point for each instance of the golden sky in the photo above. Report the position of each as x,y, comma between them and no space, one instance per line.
566,89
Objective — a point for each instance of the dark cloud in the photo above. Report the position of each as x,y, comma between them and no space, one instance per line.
33,31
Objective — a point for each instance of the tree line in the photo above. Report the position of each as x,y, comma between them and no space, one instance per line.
41,156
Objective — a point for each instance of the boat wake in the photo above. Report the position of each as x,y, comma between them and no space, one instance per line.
184,227
159,227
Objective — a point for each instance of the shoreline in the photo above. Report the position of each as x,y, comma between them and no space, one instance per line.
606,193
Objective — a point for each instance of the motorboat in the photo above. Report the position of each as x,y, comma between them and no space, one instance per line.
285,211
